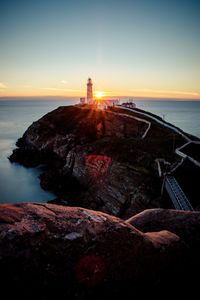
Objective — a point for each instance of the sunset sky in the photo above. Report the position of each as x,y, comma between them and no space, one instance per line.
147,48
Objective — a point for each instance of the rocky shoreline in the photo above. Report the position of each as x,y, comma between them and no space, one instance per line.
109,236
98,159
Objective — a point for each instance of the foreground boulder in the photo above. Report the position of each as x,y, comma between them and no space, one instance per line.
49,251
185,224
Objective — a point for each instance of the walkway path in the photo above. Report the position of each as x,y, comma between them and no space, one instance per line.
176,194
174,190
135,118
158,121
172,187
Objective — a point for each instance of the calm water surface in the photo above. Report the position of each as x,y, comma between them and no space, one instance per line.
19,184
183,114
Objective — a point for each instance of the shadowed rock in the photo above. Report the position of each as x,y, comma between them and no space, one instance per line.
97,159
185,224
49,251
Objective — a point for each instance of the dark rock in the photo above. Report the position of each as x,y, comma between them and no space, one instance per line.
27,158
49,251
185,224
97,158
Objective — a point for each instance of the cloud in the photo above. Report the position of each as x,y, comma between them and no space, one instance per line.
64,81
3,86
52,89
58,89
165,92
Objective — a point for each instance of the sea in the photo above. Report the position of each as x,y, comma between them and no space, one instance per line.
20,184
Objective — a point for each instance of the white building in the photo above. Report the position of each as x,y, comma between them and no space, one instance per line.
82,100
102,104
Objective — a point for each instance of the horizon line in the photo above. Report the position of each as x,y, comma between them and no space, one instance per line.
52,97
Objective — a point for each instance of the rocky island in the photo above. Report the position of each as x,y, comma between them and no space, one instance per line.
113,234
102,160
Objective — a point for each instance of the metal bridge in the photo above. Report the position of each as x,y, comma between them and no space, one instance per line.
172,187
176,194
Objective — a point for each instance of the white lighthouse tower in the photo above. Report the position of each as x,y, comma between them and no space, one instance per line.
89,91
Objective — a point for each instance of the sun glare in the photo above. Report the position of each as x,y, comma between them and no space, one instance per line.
99,95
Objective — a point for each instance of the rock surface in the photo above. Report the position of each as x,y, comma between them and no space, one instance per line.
49,251
97,159
185,224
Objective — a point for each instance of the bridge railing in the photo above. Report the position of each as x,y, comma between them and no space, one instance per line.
176,194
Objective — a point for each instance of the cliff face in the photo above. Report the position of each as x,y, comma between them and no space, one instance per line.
50,251
97,159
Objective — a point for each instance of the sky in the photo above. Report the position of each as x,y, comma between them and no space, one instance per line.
137,48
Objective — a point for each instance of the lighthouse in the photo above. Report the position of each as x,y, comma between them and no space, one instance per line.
89,91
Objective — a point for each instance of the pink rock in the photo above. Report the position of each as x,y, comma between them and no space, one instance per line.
50,251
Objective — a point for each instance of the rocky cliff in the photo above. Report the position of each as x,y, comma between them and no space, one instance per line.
98,159
52,251
104,161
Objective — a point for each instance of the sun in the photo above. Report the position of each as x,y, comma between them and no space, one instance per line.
99,95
